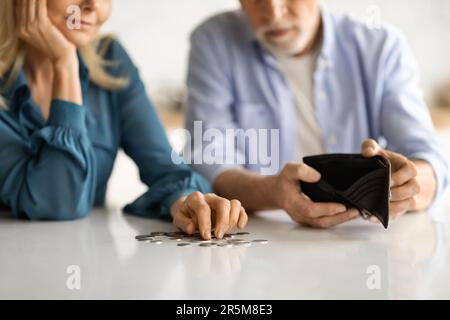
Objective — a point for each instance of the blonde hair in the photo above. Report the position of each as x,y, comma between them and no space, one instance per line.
13,50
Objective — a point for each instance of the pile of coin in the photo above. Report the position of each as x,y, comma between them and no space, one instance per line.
185,240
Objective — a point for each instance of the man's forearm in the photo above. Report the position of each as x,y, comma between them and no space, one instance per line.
255,192
428,184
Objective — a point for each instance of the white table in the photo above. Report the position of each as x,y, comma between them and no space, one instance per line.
412,259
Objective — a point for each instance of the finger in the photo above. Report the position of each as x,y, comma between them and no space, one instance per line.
399,208
403,169
326,209
370,148
31,11
193,217
406,191
243,219
42,11
234,214
303,172
314,210
407,171
222,209
184,223
329,222
374,220
196,202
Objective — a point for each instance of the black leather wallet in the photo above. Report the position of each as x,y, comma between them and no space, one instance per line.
355,181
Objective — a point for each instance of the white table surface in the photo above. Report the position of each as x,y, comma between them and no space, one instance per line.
413,258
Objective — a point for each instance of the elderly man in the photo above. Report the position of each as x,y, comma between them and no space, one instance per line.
326,84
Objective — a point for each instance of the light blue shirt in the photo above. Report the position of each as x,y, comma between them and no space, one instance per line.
365,86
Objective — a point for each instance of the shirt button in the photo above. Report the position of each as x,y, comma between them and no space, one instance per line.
322,96
322,63
325,63
332,140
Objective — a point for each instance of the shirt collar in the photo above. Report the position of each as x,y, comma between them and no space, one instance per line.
328,34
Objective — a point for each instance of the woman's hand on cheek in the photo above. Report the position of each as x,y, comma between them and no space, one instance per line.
36,30
207,213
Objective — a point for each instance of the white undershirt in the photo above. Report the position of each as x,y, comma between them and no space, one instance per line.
299,72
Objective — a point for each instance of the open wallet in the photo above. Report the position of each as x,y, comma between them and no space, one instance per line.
354,181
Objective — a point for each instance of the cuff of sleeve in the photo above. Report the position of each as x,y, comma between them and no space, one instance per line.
67,114
440,173
170,200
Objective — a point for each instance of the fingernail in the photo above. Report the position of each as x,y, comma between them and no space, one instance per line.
341,209
206,235
219,234
373,220
316,175
190,228
367,149
355,214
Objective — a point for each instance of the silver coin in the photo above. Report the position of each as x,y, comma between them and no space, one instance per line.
242,233
156,242
175,234
207,244
243,244
157,234
183,244
225,245
144,238
195,241
236,240
199,240
260,241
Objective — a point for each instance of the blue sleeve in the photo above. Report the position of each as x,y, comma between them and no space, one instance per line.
144,140
210,100
52,175
405,118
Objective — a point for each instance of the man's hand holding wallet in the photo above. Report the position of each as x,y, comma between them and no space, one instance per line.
353,180
404,183
378,184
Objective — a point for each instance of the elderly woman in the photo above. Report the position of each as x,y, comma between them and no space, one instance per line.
69,100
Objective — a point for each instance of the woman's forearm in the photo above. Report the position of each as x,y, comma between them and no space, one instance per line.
66,82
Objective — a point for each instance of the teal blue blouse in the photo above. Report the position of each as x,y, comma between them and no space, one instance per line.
58,169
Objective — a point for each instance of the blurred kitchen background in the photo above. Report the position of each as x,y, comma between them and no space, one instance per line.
156,34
